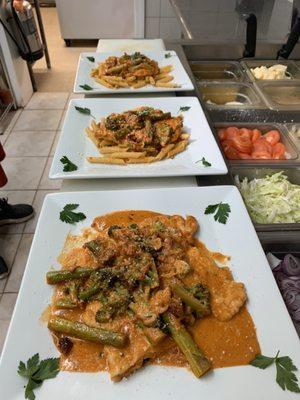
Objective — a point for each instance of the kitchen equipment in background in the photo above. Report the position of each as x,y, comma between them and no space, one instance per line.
22,39
92,19
7,101
293,38
224,21
24,31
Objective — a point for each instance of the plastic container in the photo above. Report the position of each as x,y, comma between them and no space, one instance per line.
294,131
293,175
225,71
222,95
280,95
293,72
264,128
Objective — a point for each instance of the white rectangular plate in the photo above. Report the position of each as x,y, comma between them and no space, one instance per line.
75,144
27,335
85,67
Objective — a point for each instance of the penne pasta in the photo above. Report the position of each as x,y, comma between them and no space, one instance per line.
177,149
104,83
167,78
105,160
142,135
139,84
135,71
166,84
166,68
111,149
128,154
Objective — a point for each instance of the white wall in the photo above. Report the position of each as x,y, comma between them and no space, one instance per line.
160,20
217,20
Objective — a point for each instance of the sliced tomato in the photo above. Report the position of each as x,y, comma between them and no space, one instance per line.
232,132
222,134
242,144
256,134
244,156
231,153
279,151
272,137
261,155
245,132
262,145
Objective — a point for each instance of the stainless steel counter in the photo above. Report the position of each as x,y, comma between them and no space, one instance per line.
289,237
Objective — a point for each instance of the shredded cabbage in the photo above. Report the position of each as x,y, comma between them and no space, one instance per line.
272,199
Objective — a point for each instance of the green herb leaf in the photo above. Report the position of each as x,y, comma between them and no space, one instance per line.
285,376
31,385
221,211
36,372
184,108
262,362
68,165
84,110
91,59
69,216
86,87
48,369
168,55
204,162
30,368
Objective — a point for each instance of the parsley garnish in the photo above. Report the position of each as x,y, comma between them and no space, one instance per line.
36,372
86,87
184,108
84,110
68,165
69,216
221,211
285,368
91,59
168,55
204,162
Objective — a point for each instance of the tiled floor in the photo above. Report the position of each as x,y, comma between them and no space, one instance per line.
29,143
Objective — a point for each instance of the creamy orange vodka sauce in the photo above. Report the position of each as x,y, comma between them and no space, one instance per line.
224,342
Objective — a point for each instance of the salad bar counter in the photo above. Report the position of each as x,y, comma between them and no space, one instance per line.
252,107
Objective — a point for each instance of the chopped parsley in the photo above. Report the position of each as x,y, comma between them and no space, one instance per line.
36,372
221,211
204,162
68,165
285,376
86,87
91,59
84,110
184,108
69,216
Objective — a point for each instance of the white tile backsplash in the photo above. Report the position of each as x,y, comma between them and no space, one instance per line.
161,21
153,8
152,28
169,28
166,9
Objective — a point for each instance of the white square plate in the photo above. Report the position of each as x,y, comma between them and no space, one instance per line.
85,66
75,144
27,335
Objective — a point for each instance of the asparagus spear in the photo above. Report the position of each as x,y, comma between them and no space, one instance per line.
85,332
65,303
187,297
198,362
54,277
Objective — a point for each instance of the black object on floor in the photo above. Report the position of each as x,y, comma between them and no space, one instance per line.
14,214
3,268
